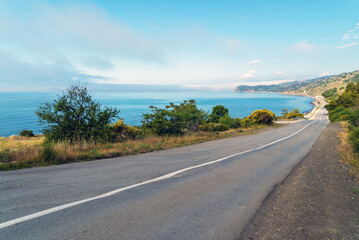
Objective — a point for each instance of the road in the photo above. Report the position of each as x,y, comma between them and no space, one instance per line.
203,191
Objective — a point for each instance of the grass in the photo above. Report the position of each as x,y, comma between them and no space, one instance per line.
22,152
347,153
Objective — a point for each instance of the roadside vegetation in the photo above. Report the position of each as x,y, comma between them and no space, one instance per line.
345,108
78,128
294,113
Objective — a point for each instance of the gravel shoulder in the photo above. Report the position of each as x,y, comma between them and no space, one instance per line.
316,201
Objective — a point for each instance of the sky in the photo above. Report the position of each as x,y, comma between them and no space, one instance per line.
199,45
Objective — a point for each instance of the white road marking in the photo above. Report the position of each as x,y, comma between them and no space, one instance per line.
163,177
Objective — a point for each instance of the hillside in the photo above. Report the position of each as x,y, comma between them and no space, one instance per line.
312,87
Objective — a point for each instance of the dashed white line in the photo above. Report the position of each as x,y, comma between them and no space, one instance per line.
163,177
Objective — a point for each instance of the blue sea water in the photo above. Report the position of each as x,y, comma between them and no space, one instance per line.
17,109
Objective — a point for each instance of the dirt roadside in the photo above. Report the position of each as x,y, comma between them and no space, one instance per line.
316,201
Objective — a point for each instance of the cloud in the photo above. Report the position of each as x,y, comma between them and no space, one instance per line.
231,45
255,61
54,44
346,36
270,82
324,74
249,74
78,29
22,75
212,87
347,45
351,33
279,72
303,47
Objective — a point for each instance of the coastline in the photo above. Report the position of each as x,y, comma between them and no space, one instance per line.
315,102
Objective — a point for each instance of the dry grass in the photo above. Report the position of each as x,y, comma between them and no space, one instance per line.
20,152
347,154
16,142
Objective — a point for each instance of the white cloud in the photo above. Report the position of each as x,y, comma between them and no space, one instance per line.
231,45
279,72
267,82
212,87
255,61
347,45
351,33
249,74
76,40
303,47
324,74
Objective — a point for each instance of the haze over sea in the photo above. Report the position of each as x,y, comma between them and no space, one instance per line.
17,109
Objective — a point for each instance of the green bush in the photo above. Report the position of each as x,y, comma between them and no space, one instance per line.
174,119
26,133
263,116
48,153
226,119
236,123
5,155
354,138
213,127
218,112
354,118
329,93
336,114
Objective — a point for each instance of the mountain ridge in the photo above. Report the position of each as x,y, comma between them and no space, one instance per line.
311,87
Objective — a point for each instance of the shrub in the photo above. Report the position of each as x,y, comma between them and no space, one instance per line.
246,122
26,133
294,114
213,127
219,127
119,131
218,112
48,153
354,117
174,119
75,117
236,123
329,93
263,116
226,119
336,114
354,138
284,112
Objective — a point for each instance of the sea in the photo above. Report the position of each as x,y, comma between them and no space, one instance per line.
17,109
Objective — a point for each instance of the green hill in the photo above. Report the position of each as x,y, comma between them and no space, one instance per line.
332,85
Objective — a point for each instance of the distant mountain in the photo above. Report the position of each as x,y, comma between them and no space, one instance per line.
310,87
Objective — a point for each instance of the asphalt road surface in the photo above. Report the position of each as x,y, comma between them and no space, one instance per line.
203,191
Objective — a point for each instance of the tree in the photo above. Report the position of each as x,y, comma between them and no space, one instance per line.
218,112
263,116
284,112
75,116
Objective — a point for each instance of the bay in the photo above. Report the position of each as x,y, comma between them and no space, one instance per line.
17,109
